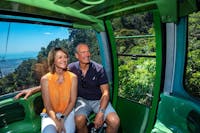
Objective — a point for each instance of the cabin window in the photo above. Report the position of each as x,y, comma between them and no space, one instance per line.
24,49
135,40
192,72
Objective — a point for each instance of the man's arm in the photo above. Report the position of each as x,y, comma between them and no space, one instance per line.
105,96
28,92
99,119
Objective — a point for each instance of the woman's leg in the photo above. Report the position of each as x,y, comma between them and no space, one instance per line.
70,123
47,124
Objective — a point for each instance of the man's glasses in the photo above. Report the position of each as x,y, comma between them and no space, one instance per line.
83,82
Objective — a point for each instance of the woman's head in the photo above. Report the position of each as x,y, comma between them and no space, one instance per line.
57,58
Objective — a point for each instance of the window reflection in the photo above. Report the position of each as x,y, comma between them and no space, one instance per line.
24,48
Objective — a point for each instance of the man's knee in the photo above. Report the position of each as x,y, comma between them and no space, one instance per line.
113,120
80,121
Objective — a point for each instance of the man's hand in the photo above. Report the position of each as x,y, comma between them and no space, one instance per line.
27,93
99,120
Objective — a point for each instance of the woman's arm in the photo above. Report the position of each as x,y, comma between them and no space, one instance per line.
73,96
47,102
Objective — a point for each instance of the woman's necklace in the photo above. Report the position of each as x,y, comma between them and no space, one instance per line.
60,79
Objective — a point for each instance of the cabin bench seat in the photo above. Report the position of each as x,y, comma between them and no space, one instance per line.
177,115
21,116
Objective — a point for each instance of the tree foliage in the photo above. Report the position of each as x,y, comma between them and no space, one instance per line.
192,74
136,75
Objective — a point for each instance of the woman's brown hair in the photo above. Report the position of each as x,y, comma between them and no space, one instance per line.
51,57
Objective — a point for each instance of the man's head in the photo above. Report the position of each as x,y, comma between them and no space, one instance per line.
83,53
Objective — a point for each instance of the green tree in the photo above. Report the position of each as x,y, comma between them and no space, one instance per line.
84,36
136,75
192,75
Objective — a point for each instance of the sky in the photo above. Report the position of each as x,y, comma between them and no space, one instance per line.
28,37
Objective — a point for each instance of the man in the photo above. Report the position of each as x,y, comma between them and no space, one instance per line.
93,93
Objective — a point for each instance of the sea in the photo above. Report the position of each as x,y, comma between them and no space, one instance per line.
9,63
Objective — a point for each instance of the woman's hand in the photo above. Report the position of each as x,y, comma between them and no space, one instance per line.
59,126
63,125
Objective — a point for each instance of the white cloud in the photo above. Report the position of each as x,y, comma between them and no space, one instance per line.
48,33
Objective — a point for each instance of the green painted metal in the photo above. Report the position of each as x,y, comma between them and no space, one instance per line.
175,116
92,2
11,17
168,10
98,26
138,36
181,45
172,10
128,8
71,12
31,121
147,114
90,15
103,58
186,7
133,116
115,61
159,55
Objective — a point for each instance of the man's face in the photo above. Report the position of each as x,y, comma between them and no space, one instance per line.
83,54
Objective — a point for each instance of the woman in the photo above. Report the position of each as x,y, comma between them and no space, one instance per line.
59,92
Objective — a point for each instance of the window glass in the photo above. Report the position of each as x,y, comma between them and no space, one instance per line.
24,49
136,50
192,73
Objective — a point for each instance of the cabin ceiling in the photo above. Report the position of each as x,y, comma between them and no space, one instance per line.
83,12
100,9
92,12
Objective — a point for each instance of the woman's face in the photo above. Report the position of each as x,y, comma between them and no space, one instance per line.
60,60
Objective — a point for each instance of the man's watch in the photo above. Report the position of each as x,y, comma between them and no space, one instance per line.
102,111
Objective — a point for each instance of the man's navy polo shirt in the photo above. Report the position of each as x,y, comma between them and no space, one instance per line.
89,86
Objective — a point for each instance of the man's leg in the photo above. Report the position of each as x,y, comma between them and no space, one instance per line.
81,124
111,118
82,111
113,122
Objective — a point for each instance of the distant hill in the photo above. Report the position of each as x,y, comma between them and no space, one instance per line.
18,55
9,63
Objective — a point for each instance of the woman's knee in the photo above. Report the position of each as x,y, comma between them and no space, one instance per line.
49,129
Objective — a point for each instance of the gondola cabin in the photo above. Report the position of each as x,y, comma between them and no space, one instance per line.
149,48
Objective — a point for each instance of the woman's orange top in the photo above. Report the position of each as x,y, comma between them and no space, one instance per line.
59,92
